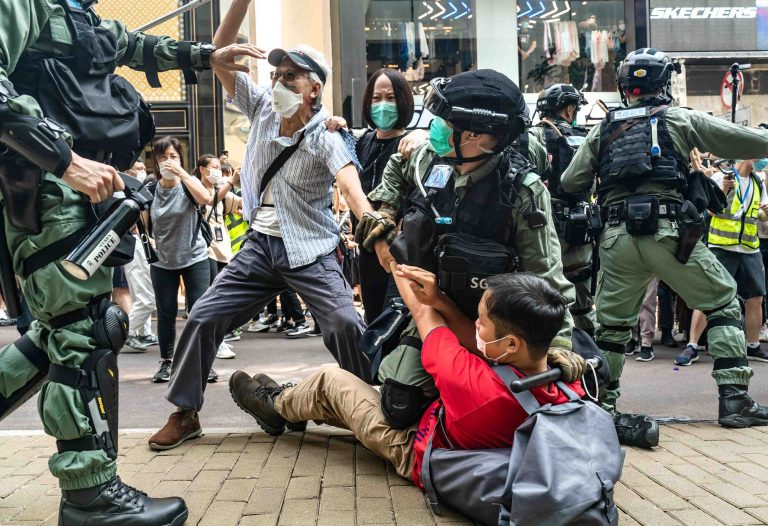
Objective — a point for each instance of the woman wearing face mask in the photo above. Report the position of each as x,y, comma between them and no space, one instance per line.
209,171
181,249
387,108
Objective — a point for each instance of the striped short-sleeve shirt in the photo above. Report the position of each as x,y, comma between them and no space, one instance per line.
302,189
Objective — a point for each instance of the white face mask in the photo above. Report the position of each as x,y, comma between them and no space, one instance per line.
284,101
481,345
214,175
141,175
165,174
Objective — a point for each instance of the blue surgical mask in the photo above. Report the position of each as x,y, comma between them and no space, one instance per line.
760,165
439,137
384,115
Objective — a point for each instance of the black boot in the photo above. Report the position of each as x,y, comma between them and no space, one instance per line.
636,430
117,504
668,340
737,409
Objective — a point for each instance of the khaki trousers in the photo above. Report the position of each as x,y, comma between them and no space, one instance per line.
341,399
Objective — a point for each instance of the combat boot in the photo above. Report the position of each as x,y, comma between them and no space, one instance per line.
256,397
737,409
117,504
636,430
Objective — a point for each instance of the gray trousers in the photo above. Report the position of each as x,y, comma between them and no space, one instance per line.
258,273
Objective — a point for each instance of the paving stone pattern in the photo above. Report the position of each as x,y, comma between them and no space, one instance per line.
700,475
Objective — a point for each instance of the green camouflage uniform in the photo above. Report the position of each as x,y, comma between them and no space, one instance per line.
628,263
41,25
537,248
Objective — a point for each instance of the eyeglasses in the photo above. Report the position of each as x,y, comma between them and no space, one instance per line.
289,75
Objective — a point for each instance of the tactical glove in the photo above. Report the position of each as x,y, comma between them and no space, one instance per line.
375,225
571,364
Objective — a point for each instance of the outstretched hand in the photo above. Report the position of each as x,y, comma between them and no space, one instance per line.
423,284
225,59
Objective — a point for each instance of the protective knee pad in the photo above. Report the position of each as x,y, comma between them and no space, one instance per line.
110,325
39,359
401,403
97,379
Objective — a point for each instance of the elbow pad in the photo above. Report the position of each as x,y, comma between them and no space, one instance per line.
39,141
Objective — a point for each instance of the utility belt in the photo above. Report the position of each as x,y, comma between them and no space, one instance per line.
641,214
579,224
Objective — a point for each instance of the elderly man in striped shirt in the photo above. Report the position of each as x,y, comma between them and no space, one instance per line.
290,164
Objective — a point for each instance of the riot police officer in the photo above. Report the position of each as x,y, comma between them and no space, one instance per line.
640,155
67,124
474,208
574,215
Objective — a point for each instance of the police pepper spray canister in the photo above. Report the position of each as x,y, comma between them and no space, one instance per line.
94,249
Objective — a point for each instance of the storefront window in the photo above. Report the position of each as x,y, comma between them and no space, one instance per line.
423,40
578,42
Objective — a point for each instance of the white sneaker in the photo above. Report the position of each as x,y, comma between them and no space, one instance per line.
225,352
764,334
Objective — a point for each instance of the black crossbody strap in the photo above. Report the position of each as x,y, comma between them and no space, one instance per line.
278,163
200,216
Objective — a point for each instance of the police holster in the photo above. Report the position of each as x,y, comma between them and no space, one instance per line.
20,184
690,228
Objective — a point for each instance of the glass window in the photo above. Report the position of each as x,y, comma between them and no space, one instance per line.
423,40
578,43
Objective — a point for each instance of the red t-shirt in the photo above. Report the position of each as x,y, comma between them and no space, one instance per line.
480,412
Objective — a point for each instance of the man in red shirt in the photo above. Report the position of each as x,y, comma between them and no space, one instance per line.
518,316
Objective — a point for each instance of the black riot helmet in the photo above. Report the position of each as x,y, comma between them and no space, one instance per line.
644,72
482,101
558,96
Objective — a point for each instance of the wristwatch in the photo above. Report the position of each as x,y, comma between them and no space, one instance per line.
206,50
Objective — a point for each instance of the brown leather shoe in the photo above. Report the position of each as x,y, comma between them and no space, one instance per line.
181,426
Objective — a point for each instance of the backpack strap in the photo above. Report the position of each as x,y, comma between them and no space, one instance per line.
570,393
526,400
426,476
200,215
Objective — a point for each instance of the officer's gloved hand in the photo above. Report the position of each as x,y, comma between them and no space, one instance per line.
375,225
571,364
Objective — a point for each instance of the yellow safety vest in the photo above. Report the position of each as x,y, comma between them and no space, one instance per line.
728,230
237,228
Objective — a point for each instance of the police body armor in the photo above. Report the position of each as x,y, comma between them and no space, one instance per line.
562,143
577,221
468,243
636,147
73,91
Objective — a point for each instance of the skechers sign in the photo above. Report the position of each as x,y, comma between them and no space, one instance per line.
692,13
709,26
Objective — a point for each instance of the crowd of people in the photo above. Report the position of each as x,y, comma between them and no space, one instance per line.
473,249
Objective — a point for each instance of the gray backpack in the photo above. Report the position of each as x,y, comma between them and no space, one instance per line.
561,469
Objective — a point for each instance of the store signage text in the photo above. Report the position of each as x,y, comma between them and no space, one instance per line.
695,13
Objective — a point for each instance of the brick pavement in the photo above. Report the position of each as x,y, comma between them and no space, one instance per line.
700,475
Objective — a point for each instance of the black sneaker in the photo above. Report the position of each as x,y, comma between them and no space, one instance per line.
668,340
256,397
737,409
299,331
689,355
630,348
758,353
117,503
284,326
646,354
213,377
164,373
636,430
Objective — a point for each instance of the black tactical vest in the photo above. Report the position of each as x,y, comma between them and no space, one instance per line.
470,242
562,146
107,118
626,144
